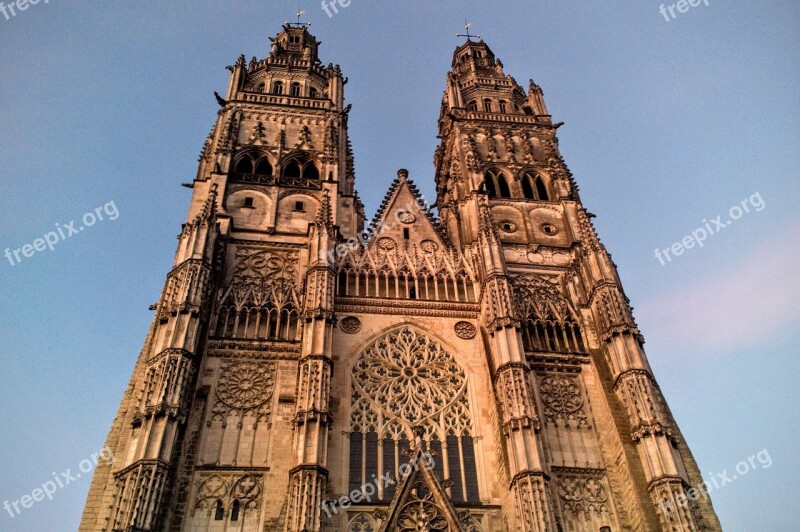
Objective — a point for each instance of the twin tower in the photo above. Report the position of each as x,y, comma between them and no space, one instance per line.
478,370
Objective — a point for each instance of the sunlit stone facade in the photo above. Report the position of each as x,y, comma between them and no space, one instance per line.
300,367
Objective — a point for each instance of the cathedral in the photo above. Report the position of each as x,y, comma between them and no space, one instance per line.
468,364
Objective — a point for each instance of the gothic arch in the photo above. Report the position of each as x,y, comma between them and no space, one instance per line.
550,322
534,185
253,162
409,362
497,183
297,192
300,165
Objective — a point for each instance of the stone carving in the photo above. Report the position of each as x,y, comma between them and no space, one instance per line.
362,523
562,398
465,330
245,385
406,217
266,263
421,512
226,489
429,246
582,491
386,244
262,300
536,254
536,297
409,375
350,325
407,273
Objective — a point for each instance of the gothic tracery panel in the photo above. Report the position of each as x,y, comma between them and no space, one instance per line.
409,376
262,300
232,498
405,380
241,414
550,323
583,499
563,399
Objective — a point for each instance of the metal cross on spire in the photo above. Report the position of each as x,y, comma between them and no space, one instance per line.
467,26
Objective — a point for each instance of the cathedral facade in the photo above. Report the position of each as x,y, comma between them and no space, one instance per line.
477,370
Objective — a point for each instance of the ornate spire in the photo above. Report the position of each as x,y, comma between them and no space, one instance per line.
209,211
324,216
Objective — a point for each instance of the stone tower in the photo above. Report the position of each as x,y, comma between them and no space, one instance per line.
481,372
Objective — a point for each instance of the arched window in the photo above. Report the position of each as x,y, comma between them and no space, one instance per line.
541,190
496,184
488,182
487,105
312,92
263,167
277,87
235,510
244,166
527,189
253,164
503,187
310,171
219,511
533,187
292,170
294,89
260,87
382,414
472,106
300,167
503,106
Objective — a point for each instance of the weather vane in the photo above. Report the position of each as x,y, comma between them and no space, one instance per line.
300,13
467,26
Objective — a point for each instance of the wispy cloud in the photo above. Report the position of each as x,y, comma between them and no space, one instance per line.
753,299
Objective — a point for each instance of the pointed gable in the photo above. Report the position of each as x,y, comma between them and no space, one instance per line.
405,217
420,501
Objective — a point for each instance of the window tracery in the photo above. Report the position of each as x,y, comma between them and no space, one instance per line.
262,300
426,272
549,323
402,381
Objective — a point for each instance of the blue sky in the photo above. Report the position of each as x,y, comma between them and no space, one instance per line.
667,124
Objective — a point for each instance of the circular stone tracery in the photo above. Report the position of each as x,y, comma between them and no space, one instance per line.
409,375
561,394
245,385
465,330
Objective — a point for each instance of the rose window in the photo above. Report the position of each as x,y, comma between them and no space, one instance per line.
409,376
